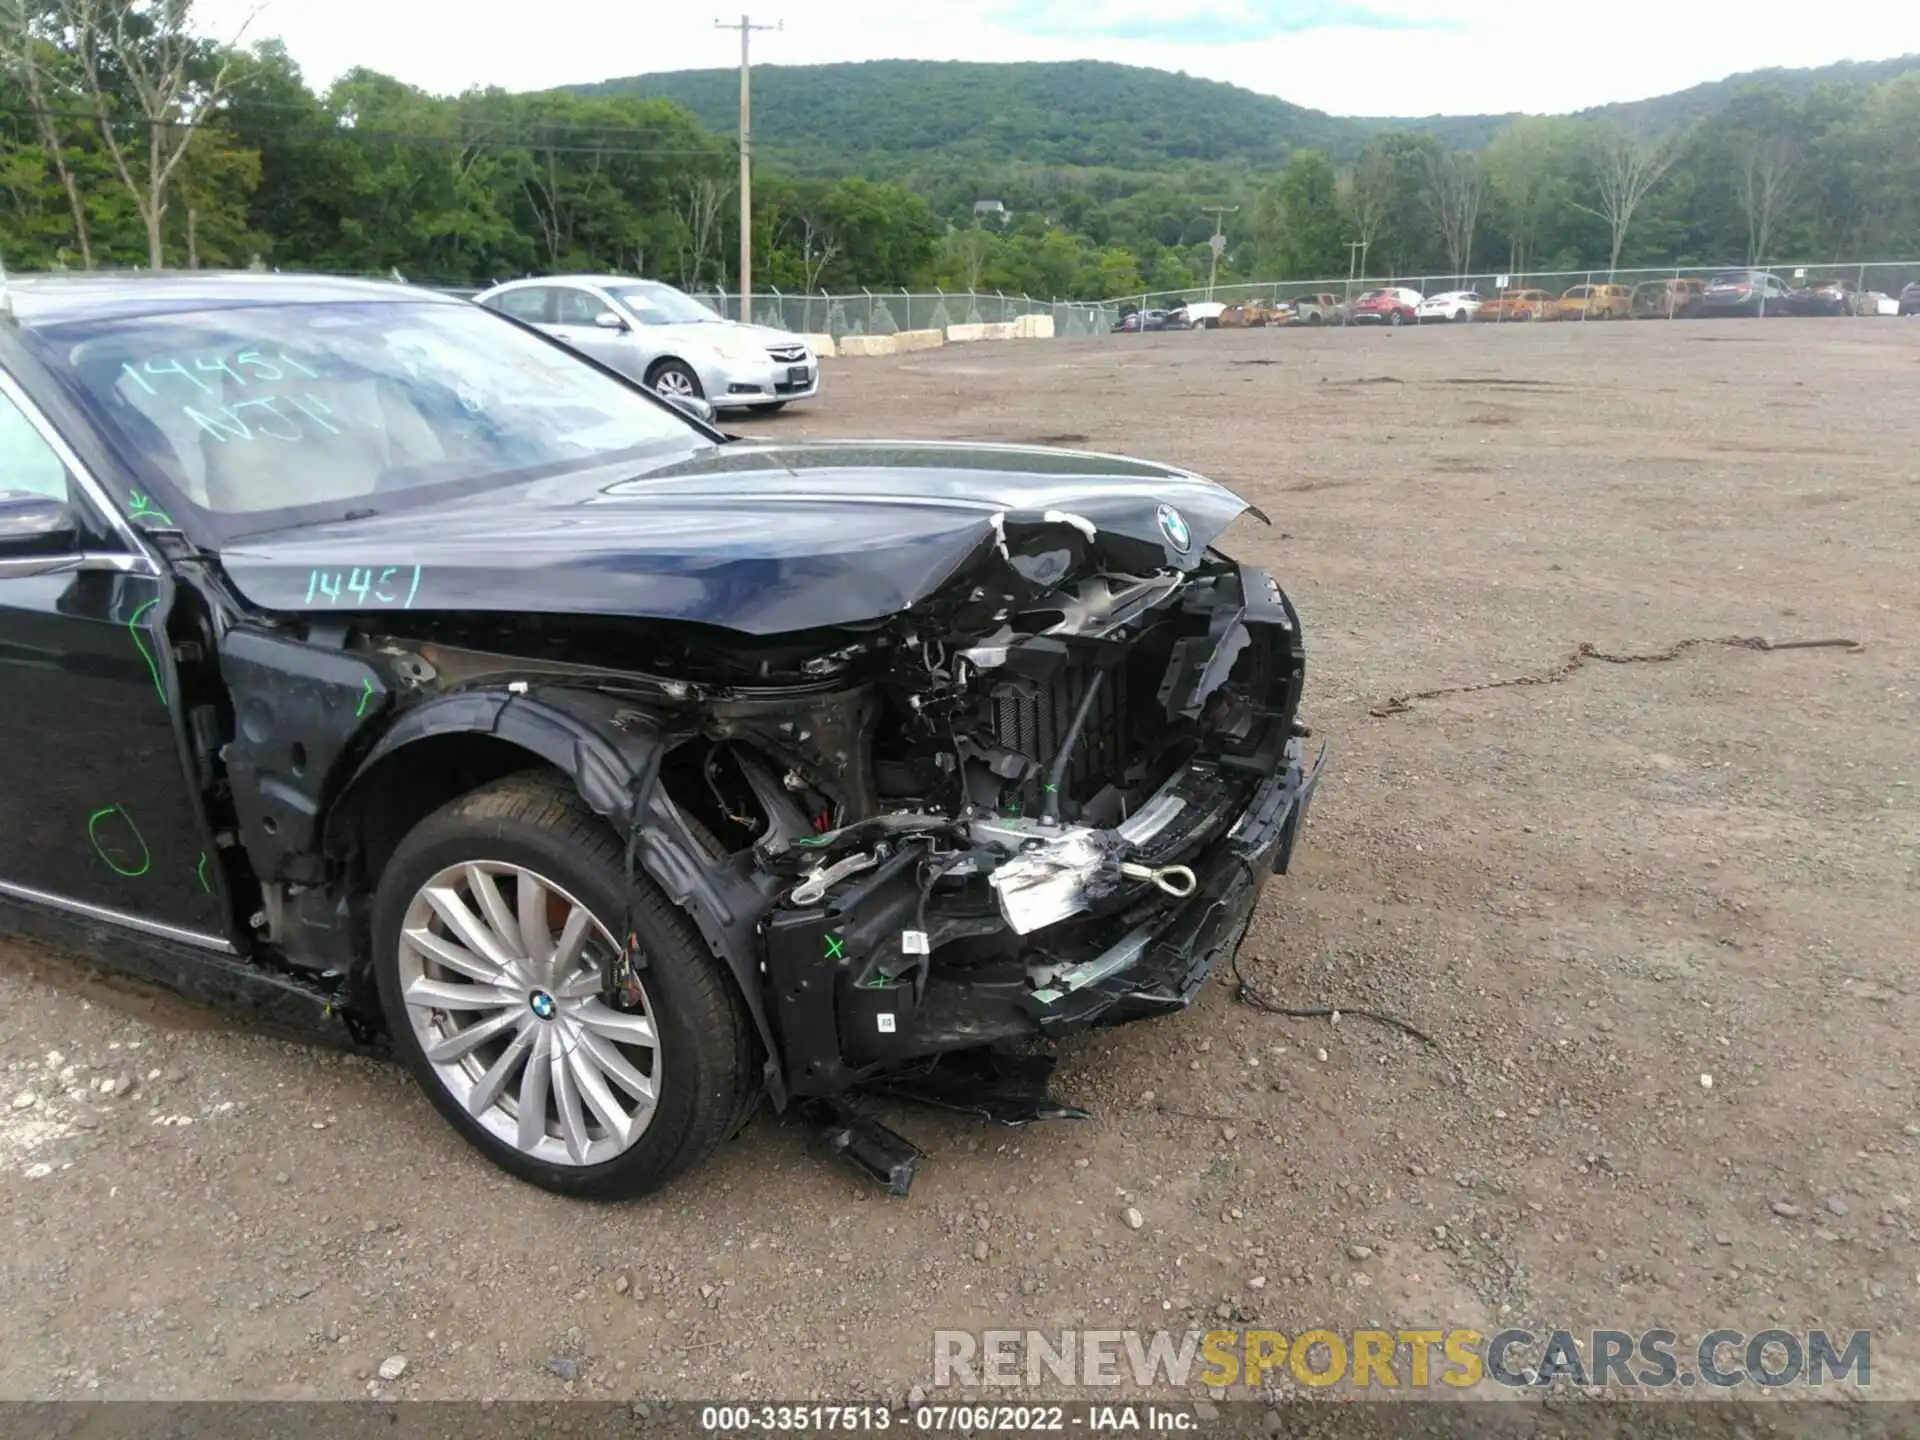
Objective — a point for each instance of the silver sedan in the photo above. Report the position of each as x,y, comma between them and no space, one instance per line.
665,339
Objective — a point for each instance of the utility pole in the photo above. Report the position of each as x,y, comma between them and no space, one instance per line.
1356,252
746,27
1218,243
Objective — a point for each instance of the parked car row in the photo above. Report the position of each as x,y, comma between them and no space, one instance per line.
1733,292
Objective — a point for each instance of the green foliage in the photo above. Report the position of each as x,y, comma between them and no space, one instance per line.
870,174
889,116
1300,229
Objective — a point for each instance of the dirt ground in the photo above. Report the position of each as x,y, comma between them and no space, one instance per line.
1592,894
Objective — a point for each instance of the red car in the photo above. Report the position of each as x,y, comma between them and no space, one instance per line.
1392,306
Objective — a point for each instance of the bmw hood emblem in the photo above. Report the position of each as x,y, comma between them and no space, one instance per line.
541,1003
1173,525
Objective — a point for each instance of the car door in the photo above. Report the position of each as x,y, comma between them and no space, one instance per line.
576,321
98,817
531,303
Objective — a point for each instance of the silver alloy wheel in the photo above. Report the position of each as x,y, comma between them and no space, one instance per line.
500,970
673,381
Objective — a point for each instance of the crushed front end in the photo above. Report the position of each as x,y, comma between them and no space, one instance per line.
1052,804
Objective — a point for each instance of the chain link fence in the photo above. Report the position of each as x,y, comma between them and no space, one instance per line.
886,312
1876,283
1876,278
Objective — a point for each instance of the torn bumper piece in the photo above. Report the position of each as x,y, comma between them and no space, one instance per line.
1158,965
853,1001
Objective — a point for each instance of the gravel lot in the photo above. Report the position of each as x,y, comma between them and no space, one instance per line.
1593,894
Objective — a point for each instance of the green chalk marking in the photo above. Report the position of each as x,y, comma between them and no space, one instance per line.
366,694
153,667
93,828
836,948
145,509
200,873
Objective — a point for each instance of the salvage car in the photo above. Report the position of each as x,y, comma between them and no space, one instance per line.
1519,305
1744,292
1910,298
666,339
381,667
1826,297
1394,305
1595,302
1244,314
1672,299
1321,308
1451,305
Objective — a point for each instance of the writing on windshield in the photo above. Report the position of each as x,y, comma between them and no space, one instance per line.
306,406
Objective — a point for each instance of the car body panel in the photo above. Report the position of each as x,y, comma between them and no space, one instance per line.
756,538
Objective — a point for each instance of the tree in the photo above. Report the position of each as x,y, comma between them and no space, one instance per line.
1766,186
702,199
1627,164
963,257
141,55
1370,199
30,56
1456,184
1529,168
1298,229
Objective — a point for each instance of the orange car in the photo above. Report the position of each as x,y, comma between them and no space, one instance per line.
1519,305
1596,302
1255,313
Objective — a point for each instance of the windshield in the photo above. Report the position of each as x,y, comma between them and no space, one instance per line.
661,305
265,416
1735,277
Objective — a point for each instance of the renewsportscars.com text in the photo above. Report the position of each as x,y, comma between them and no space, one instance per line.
1409,1359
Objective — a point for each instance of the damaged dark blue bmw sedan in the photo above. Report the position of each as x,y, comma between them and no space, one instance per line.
378,666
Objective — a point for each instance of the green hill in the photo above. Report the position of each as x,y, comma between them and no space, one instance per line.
896,116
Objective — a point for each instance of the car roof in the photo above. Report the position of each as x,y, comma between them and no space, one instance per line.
601,280
57,299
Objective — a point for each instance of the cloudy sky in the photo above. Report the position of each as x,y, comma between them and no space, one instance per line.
1350,57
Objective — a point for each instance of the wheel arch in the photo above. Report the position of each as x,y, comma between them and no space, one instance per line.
660,362
608,752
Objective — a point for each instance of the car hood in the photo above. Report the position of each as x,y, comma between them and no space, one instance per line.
715,332
760,538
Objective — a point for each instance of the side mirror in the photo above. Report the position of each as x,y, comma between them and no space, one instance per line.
34,524
607,320
690,404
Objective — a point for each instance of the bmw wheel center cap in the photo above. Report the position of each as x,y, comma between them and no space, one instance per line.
541,1003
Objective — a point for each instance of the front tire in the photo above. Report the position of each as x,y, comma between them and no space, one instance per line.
676,377
489,925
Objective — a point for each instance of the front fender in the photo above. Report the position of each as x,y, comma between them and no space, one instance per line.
611,751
